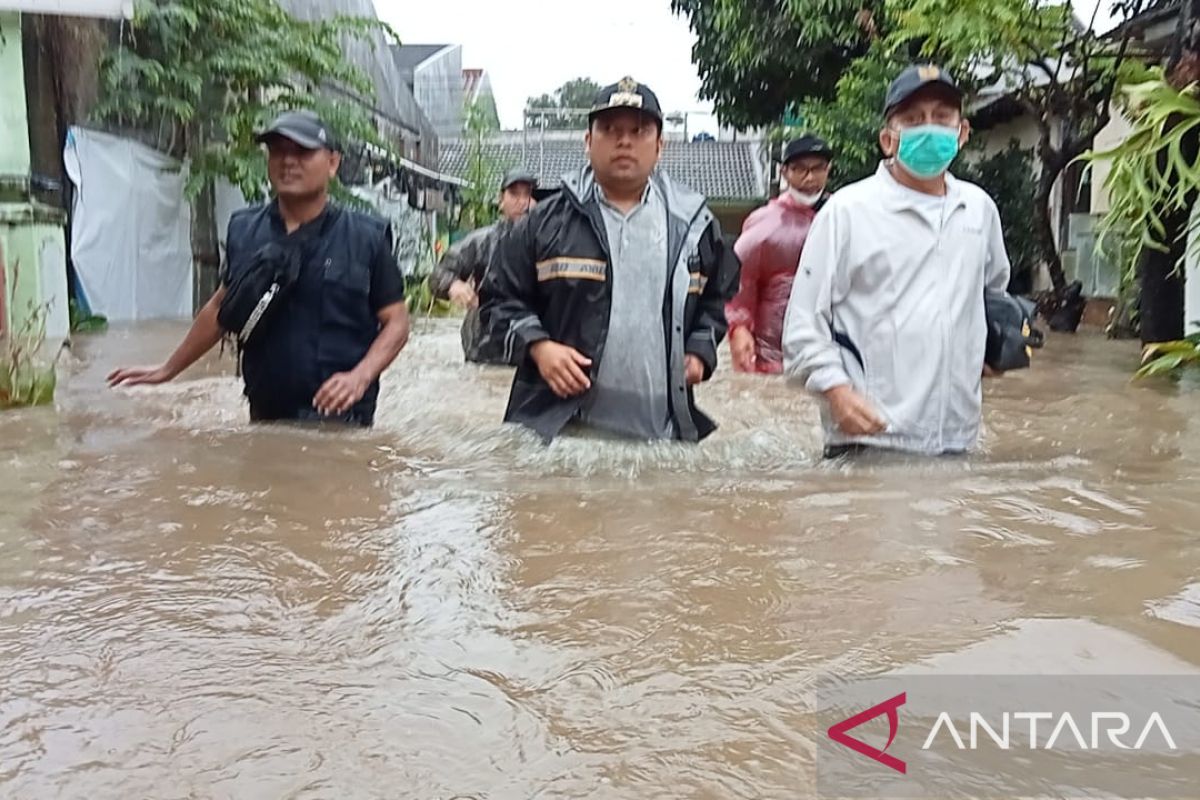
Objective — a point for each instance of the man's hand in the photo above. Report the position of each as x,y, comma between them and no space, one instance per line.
139,376
201,337
695,369
741,346
462,295
852,413
988,372
562,367
339,394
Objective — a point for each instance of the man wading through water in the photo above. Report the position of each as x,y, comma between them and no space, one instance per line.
887,318
461,272
610,296
341,320
769,248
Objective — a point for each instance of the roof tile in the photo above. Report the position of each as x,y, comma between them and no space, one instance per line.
718,170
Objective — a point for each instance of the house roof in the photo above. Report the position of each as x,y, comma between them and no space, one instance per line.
1154,27
472,78
409,56
728,171
393,100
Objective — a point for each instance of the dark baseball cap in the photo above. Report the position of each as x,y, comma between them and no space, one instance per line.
304,128
519,175
626,93
807,145
915,78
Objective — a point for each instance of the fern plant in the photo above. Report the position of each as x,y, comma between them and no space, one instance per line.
1151,179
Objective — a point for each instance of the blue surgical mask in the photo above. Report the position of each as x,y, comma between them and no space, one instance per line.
926,151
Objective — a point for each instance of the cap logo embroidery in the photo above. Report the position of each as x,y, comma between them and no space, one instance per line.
626,94
321,134
929,73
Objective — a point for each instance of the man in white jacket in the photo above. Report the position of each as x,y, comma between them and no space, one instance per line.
886,318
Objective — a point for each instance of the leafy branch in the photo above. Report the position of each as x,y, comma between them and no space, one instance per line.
1151,175
203,75
26,379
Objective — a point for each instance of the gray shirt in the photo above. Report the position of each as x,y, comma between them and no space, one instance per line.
629,396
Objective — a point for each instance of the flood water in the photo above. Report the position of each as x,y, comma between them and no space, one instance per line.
192,607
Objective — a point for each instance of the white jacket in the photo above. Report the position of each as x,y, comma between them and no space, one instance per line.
899,276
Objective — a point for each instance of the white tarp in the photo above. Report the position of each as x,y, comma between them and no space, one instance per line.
112,9
130,228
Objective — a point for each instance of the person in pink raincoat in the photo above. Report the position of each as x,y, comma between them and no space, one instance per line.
769,249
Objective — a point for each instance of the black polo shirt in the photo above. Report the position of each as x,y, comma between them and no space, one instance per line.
329,320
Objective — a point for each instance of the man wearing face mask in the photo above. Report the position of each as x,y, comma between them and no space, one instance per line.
769,248
886,320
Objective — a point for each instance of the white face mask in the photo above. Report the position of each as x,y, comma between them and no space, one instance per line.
804,199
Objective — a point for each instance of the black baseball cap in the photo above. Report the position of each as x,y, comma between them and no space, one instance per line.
304,128
626,93
915,78
807,145
519,175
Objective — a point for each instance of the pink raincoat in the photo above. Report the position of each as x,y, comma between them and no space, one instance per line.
769,249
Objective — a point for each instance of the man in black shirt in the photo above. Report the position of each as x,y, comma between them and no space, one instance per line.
341,323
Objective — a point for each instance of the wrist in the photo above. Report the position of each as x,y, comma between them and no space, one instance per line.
833,393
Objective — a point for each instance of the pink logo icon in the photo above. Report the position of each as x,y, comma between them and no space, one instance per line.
839,735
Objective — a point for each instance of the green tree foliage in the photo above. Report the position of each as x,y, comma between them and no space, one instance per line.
206,74
756,57
26,378
851,120
1151,174
1008,177
577,93
483,173
1152,188
1163,358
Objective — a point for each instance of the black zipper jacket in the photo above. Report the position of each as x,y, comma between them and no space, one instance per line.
549,279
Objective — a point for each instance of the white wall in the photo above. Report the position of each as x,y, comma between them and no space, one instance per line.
1109,137
996,139
1025,131
1191,303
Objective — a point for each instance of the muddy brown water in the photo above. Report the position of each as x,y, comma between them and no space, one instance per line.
194,607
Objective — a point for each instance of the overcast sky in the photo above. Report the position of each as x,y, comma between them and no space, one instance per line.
534,46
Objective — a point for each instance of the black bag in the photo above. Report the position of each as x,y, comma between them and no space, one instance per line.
1011,337
255,295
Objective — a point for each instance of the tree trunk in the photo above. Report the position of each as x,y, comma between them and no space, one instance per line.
1063,306
205,249
1044,225
1162,301
1162,304
1161,273
1123,324
205,252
